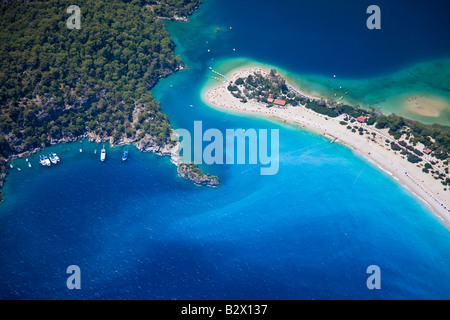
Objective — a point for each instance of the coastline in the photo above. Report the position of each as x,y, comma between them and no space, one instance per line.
422,186
145,144
395,93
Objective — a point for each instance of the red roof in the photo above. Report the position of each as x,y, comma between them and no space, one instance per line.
362,119
448,159
280,102
427,151
270,100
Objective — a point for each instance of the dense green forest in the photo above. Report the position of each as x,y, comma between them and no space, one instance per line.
170,8
57,82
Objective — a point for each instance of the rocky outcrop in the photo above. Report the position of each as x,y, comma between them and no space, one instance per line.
3,175
174,18
148,144
188,171
192,172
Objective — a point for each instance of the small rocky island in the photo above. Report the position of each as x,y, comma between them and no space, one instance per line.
192,172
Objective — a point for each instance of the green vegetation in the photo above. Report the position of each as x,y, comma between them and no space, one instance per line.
406,133
193,167
258,87
191,171
435,137
170,8
57,83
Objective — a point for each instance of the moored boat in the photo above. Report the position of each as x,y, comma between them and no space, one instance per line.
52,158
56,157
103,154
125,155
45,161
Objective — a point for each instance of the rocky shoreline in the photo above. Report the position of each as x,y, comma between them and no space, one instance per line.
181,18
146,144
191,172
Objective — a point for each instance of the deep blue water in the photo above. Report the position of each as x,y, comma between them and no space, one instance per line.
323,37
137,230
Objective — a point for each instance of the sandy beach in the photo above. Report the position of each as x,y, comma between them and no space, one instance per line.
423,186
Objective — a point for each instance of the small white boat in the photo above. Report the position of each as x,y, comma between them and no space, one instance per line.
45,161
52,158
125,155
103,154
56,157
29,164
11,166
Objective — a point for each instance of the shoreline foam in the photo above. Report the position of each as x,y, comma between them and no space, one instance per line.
420,185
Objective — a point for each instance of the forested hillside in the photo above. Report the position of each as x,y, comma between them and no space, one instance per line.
58,83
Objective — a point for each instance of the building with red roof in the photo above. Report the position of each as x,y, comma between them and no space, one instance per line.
361,119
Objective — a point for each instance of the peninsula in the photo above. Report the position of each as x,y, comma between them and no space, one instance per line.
414,154
60,85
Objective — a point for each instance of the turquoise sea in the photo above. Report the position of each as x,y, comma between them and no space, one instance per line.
138,231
